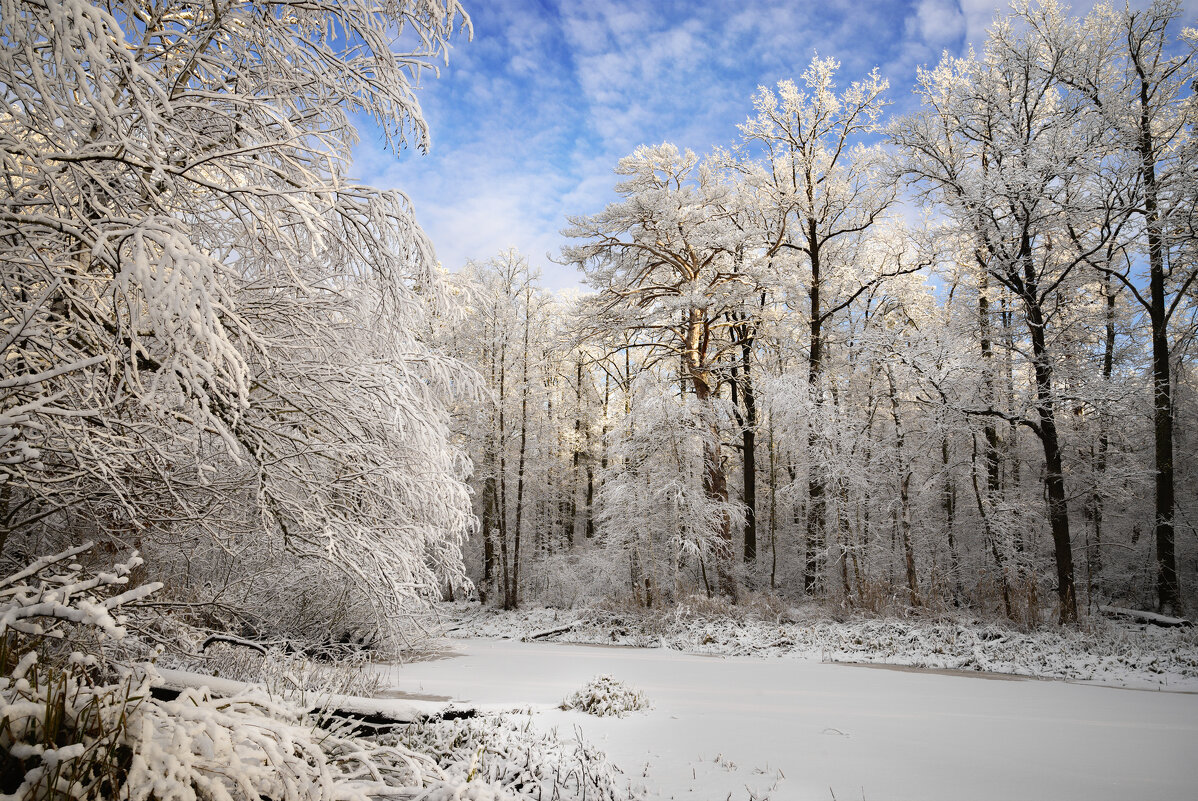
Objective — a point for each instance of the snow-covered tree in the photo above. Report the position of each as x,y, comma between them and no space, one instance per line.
210,333
820,191
654,508
1140,82
1017,159
667,264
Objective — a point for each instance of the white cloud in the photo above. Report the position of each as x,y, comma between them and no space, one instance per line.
941,22
532,115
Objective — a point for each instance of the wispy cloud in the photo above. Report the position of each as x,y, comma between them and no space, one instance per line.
529,119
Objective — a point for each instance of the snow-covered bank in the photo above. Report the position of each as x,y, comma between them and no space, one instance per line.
1120,654
747,727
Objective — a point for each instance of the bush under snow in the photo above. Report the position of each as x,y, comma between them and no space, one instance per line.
79,720
603,696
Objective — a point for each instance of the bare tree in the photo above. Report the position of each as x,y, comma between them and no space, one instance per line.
1016,160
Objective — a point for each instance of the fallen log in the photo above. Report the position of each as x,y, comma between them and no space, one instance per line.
1145,617
362,715
540,635
461,624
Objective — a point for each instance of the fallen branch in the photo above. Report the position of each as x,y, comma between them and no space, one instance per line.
540,635
1145,617
231,640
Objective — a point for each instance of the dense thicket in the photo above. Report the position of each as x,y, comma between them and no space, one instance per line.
213,341
780,383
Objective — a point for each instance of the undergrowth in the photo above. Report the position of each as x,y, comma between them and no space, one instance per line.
80,720
1098,649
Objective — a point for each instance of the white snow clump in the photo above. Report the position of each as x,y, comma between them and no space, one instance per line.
603,696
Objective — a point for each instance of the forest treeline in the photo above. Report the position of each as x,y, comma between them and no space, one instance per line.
887,361
919,361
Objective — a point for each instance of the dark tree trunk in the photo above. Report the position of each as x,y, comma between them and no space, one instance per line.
488,522
990,431
514,599
948,502
1054,476
501,498
742,391
816,485
1097,505
715,484
773,512
1011,480
590,500
572,518
1168,588
991,535
748,441
904,492
715,487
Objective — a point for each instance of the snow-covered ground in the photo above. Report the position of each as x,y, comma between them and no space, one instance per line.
759,727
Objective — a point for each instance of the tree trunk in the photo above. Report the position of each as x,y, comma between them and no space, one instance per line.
501,498
1011,481
1168,588
904,492
1097,505
948,502
748,441
816,486
572,518
773,512
548,523
991,535
990,431
488,522
715,485
490,489
515,594
1054,476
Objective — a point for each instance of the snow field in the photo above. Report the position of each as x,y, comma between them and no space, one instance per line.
747,727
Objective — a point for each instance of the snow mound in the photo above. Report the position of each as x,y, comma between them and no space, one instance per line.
603,696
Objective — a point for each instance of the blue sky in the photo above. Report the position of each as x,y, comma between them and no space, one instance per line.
530,117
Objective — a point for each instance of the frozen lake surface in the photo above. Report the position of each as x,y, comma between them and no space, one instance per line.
744,725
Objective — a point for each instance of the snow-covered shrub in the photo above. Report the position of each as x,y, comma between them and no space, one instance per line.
510,754
566,580
79,720
603,696
230,371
